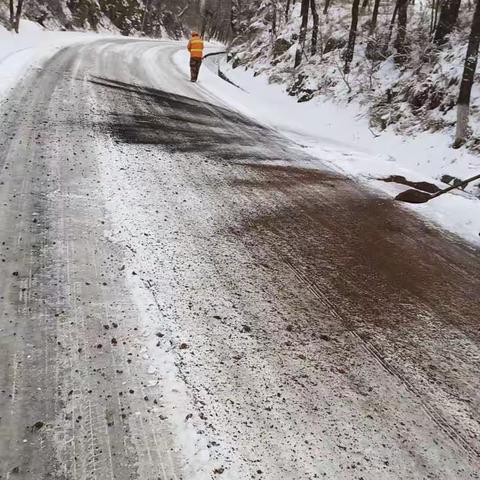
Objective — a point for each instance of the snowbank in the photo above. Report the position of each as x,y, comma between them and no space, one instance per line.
29,48
340,137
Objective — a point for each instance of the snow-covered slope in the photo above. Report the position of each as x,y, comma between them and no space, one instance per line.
20,52
409,98
157,18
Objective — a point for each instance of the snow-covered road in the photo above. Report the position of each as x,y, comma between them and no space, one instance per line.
180,299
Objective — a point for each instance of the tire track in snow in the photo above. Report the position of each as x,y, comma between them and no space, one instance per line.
456,437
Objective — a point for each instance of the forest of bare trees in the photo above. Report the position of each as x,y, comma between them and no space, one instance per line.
155,18
150,17
413,33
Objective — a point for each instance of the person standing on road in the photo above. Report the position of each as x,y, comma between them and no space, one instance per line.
195,47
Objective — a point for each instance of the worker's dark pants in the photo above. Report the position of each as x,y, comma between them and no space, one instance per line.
195,64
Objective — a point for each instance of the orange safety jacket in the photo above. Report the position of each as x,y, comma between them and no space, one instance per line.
195,47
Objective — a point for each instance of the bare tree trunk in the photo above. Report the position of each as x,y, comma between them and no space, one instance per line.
401,31
287,10
12,14
448,19
435,16
303,32
18,15
432,15
222,19
372,47
463,104
146,13
373,22
392,21
326,7
313,6
203,15
352,37
274,20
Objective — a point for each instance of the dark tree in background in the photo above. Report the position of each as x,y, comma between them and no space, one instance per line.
326,7
401,31
374,20
373,48
216,19
352,37
316,19
448,19
15,14
392,21
12,13
463,104
287,10
223,20
303,33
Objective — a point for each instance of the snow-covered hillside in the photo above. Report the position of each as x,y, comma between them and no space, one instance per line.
152,18
419,94
157,18
18,53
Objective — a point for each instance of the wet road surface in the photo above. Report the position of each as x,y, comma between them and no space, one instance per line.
180,299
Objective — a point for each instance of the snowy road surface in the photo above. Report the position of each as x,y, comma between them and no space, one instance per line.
181,300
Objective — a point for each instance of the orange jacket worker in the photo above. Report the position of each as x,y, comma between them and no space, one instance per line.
195,47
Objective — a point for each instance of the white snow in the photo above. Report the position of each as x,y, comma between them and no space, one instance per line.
30,48
339,136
